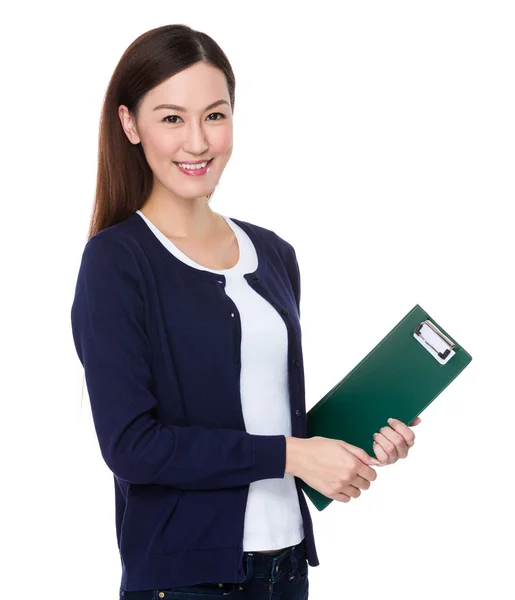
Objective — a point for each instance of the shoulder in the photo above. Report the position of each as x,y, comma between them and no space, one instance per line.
119,238
124,244
112,254
270,237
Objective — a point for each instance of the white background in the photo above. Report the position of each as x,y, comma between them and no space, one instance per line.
376,137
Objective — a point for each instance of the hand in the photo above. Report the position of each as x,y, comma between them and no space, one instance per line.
392,443
335,468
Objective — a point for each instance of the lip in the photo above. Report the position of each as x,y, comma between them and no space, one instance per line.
192,162
196,172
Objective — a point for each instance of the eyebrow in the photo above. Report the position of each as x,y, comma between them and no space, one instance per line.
181,108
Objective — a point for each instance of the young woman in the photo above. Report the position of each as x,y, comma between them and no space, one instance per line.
187,324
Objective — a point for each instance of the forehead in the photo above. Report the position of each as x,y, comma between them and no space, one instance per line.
193,88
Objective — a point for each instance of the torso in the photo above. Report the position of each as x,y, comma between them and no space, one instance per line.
221,253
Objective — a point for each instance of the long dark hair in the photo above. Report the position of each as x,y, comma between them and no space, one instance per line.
124,178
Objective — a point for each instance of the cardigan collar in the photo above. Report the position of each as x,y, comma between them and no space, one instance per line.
259,244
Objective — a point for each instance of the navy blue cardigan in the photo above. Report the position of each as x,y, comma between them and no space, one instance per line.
161,356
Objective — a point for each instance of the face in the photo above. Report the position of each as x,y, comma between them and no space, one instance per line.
188,134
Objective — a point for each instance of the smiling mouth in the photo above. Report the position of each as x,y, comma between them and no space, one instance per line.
186,163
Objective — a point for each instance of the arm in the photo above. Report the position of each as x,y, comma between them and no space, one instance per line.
107,318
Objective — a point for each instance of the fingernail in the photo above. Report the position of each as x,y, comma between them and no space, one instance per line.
390,420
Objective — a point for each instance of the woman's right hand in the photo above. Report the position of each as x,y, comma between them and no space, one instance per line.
335,468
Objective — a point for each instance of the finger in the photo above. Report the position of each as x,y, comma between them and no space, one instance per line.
381,455
367,472
352,491
397,440
359,453
387,444
403,430
360,482
341,497
415,421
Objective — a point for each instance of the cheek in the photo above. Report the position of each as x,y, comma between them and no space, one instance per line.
221,143
228,152
161,147
167,149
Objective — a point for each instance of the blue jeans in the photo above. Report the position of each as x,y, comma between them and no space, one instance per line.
282,575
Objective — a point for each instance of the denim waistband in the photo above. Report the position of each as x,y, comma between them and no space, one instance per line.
275,566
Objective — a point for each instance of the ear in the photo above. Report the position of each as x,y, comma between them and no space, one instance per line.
128,124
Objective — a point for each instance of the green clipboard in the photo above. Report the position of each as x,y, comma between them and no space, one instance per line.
399,378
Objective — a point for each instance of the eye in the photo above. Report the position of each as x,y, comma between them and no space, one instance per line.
177,117
217,113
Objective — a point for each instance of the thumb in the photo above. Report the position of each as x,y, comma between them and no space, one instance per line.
362,455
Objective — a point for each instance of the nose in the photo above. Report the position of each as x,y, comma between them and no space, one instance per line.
195,141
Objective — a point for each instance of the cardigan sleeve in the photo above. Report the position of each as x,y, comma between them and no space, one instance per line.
107,317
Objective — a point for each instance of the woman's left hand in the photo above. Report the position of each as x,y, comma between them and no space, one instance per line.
392,443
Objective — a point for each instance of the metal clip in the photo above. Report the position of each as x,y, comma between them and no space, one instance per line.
434,341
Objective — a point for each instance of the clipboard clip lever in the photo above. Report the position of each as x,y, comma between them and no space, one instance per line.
435,341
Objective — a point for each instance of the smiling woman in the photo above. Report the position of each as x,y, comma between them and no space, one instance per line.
184,321
187,155
196,143
155,131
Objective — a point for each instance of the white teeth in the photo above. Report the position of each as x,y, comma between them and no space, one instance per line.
193,167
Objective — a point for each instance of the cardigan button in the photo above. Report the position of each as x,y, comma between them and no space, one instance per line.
298,412
161,594
255,277
296,363
285,312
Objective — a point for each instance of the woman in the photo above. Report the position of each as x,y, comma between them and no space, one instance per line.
187,325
